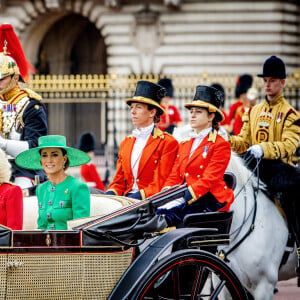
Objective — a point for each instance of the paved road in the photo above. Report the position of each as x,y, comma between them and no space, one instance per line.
287,290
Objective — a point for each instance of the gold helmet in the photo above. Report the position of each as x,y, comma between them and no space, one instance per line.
12,59
8,65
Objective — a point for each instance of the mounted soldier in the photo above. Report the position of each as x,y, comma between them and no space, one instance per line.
271,134
22,114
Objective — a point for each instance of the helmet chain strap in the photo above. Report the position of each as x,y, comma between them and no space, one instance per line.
10,85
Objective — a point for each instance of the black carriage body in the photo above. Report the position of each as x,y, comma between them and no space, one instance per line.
56,265
96,260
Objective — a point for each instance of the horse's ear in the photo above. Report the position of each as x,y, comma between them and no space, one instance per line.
230,180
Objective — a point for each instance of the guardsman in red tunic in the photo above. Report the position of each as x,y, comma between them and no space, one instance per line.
236,110
201,161
146,157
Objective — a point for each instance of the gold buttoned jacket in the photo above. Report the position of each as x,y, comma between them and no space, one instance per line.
155,164
275,126
203,171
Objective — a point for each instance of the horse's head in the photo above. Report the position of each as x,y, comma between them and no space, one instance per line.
244,175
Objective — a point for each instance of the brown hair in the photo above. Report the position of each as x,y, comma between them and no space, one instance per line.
156,118
67,163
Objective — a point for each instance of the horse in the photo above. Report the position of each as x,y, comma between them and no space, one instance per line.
258,236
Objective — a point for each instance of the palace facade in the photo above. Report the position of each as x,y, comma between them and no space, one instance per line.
109,44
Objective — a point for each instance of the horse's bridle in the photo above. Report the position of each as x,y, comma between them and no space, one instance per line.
222,253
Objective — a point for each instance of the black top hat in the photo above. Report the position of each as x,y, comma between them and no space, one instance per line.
87,142
167,84
243,84
273,67
210,98
219,87
149,93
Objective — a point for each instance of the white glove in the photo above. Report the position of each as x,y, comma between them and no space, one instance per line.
223,133
256,151
173,203
3,143
12,147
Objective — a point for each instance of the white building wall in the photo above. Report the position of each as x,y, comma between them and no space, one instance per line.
200,36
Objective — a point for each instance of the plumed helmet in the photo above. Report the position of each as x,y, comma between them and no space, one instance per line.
273,67
13,58
8,66
243,83
168,85
87,142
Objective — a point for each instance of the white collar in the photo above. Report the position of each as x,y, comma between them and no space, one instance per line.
201,135
143,132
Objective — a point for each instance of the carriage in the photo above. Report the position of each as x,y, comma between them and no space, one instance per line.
121,254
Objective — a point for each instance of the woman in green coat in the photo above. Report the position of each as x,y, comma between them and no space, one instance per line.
62,197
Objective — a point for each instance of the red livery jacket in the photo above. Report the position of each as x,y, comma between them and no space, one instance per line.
204,170
90,174
11,206
154,167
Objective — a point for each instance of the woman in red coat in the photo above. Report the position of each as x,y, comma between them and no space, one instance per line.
201,161
146,157
11,197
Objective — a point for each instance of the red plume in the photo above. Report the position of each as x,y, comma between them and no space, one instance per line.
15,50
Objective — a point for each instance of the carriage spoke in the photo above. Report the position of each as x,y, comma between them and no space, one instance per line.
200,280
176,283
217,290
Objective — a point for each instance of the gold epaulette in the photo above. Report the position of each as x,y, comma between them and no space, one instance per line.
158,133
32,94
212,136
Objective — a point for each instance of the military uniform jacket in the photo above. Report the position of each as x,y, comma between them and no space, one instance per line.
23,118
60,203
274,125
154,167
203,171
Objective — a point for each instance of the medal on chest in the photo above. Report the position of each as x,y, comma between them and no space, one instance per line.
279,117
205,150
8,117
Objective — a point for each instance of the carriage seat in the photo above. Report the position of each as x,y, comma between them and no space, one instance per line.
221,220
230,180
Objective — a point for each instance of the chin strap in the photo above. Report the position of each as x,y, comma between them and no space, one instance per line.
11,85
13,148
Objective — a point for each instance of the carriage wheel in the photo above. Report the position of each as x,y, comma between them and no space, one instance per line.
187,274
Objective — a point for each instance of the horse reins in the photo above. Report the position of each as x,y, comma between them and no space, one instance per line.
223,253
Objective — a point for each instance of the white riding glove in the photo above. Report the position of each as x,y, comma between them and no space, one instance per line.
223,133
12,147
256,151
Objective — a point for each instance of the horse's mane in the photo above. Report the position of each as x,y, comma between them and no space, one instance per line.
242,173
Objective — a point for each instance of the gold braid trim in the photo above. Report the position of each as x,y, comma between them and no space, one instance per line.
1,120
32,94
298,252
276,151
